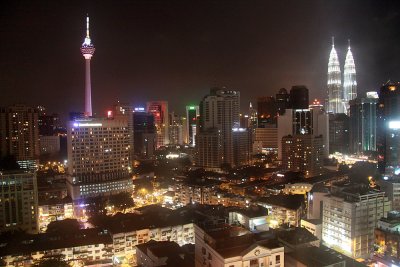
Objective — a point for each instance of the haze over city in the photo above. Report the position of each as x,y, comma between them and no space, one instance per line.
177,50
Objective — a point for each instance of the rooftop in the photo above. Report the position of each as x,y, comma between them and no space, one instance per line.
292,202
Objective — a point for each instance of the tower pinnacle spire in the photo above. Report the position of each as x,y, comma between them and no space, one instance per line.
333,41
348,40
87,26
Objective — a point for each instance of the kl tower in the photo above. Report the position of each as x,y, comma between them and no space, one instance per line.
87,50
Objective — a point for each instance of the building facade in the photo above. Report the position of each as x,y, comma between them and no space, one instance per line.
18,201
349,218
19,134
303,153
363,123
159,109
98,157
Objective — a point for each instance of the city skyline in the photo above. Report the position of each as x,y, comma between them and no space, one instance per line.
142,56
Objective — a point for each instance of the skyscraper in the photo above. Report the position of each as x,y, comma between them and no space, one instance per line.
219,115
98,157
144,133
159,109
266,112
192,112
349,81
87,50
19,134
388,123
363,123
335,93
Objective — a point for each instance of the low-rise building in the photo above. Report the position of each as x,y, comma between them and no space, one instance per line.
85,247
162,253
253,218
284,209
222,245
314,226
387,240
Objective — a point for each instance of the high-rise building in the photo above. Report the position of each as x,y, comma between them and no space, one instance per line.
335,93
18,201
209,149
303,153
298,98
363,123
98,157
349,217
311,120
339,133
349,79
19,134
320,124
175,129
192,113
266,112
253,119
144,133
242,146
87,50
124,112
159,109
282,101
220,111
388,125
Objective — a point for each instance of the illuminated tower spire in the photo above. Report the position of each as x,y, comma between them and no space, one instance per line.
335,94
349,81
87,50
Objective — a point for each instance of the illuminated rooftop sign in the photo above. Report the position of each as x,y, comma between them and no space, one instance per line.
87,124
395,125
140,109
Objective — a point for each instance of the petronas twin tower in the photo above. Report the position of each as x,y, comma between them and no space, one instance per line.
339,95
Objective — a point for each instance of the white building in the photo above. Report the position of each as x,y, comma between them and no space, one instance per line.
350,216
98,157
234,247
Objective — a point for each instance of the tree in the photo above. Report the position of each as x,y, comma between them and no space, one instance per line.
67,226
121,201
51,262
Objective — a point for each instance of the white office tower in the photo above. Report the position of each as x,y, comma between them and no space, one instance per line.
349,217
98,157
349,81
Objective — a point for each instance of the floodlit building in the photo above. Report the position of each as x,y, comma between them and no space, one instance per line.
18,201
349,79
350,216
98,157
335,89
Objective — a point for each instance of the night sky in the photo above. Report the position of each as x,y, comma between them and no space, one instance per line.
176,50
